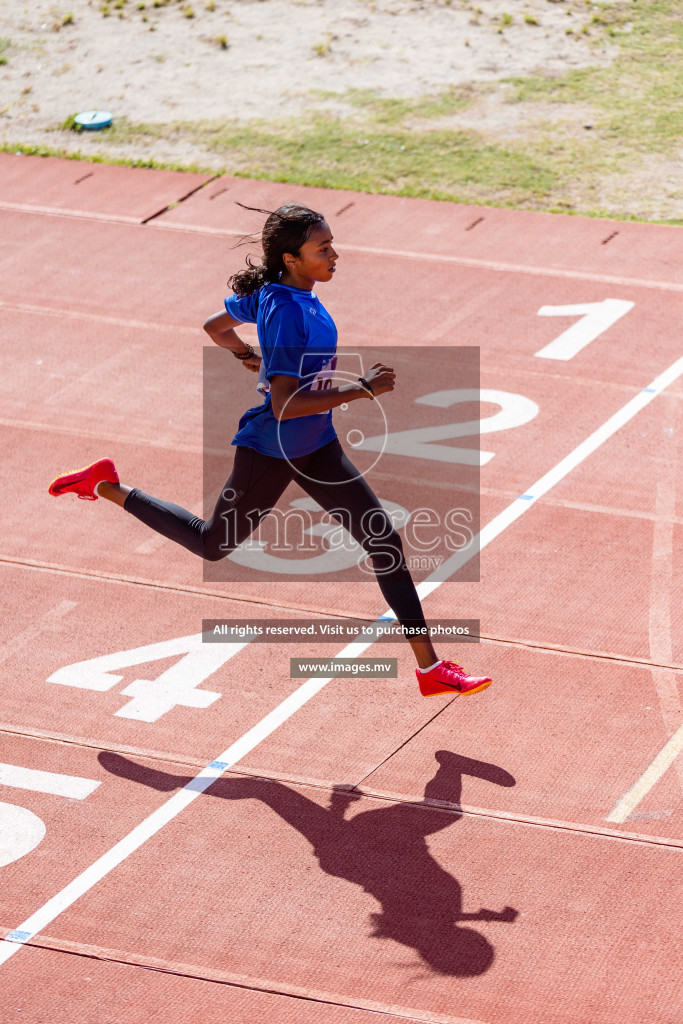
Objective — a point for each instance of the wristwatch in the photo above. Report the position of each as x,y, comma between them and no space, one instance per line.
367,386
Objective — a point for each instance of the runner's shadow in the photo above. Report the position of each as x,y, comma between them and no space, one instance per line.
383,850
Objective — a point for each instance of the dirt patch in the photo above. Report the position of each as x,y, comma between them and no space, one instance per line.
266,59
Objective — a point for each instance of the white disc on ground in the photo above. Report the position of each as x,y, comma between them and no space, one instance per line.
93,120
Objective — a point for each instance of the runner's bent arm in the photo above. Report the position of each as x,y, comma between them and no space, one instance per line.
221,329
289,403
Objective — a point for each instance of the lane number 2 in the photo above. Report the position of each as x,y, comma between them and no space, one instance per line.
422,442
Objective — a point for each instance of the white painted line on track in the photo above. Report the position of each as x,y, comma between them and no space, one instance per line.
664,759
428,257
525,501
100,318
459,261
168,443
56,211
518,268
241,747
16,644
160,817
72,786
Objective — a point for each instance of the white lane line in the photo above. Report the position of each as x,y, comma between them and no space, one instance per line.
662,578
522,504
99,318
104,436
519,268
509,515
179,801
160,817
56,211
406,254
661,648
29,637
72,786
149,547
664,759
460,261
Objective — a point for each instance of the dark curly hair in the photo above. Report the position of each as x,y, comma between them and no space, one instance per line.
285,230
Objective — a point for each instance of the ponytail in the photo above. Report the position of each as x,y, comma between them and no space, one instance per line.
244,282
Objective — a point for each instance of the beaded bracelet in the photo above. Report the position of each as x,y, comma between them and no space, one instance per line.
244,355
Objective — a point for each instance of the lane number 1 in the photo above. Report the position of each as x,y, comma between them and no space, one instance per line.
596,317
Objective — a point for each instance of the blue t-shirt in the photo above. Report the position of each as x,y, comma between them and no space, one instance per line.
298,338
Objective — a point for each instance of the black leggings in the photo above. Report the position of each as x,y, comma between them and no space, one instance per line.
256,483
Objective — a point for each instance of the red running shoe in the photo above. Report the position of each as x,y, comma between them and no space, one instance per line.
449,677
83,481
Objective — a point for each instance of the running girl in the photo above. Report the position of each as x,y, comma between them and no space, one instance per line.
290,436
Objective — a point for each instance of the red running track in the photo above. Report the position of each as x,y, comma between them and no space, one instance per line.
505,859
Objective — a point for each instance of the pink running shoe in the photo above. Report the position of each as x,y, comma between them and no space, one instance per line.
449,677
83,481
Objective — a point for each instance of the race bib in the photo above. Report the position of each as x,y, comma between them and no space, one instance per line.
321,382
324,377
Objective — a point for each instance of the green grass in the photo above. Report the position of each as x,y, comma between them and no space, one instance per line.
639,98
341,153
382,110
102,158
636,103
